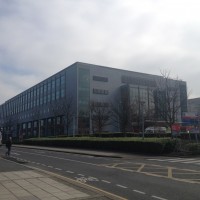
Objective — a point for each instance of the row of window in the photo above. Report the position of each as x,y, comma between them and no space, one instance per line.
43,122
138,81
129,80
44,93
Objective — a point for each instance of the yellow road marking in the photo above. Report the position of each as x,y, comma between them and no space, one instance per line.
170,172
186,173
140,168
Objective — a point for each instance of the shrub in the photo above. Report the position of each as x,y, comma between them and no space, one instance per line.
194,148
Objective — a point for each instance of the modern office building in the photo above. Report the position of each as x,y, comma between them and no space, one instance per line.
192,117
194,105
61,104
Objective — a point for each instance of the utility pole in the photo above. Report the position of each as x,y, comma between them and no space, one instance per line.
142,108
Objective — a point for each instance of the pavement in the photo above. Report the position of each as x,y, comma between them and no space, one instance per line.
21,182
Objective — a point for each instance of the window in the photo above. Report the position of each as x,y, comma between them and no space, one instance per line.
42,122
57,94
29,125
49,98
35,124
58,82
24,126
100,91
37,102
58,120
45,88
100,78
62,80
49,87
62,93
53,96
53,84
49,121
41,100
45,99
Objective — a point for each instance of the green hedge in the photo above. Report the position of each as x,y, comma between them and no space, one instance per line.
193,147
136,145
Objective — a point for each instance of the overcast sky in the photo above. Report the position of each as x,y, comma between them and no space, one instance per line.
41,37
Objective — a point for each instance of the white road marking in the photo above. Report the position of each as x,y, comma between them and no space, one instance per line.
81,179
17,154
182,160
37,151
90,178
160,198
194,161
139,191
81,175
70,172
154,159
105,181
176,160
50,166
58,169
121,186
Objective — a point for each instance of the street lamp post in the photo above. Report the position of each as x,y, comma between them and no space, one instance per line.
198,128
39,129
142,108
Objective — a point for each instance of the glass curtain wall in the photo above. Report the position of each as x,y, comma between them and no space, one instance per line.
83,100
142,102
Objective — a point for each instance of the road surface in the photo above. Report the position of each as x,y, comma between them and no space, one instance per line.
132,177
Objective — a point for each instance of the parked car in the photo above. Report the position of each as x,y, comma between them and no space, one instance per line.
155,129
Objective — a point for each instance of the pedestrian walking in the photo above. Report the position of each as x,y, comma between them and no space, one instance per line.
0,137
8,146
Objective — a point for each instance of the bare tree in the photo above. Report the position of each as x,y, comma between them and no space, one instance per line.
100,115
56,110
36,117
121,113
83,122
9,124
67,110
167,98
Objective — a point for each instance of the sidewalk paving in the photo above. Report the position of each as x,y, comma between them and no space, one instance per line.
30,185
20,182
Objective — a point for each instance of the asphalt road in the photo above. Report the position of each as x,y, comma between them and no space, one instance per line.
135,177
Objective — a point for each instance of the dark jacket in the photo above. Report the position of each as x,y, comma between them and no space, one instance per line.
8,143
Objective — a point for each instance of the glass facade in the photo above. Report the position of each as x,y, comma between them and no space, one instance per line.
23,107
142,94
83,99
